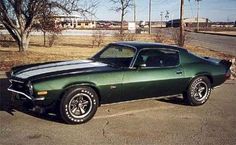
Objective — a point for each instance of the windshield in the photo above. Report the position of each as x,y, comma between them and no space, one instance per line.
116,55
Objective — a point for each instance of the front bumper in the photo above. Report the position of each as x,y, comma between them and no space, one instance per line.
25,95
19,87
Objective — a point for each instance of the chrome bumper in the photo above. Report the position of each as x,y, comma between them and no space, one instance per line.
27,96
18,92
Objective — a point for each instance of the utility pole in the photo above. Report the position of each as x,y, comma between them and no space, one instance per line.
134,15
161,18
167,16
181,34
172,21
198,8
134,12
150,9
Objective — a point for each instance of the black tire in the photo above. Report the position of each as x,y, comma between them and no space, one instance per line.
198,91
78,105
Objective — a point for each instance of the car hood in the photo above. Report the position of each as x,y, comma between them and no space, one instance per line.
47,70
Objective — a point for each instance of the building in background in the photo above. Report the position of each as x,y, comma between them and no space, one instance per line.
223,24
189,22
74,22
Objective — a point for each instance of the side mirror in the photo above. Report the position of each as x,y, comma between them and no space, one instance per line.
142,65
139,66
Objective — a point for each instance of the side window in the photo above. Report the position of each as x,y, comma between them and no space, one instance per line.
158,57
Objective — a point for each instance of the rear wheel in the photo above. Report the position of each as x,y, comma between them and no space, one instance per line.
198,91
78,105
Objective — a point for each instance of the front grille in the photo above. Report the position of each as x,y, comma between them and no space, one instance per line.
20,86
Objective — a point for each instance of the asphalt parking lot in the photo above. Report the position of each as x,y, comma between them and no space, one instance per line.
162,121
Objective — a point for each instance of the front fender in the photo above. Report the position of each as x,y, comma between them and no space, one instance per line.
81,84
77,84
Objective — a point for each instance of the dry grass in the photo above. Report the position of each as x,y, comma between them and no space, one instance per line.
72,47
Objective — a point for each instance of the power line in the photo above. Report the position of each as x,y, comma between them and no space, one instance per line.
191,8
159,2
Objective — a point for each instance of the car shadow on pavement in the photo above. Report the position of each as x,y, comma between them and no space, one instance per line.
5,99
177,99
8,105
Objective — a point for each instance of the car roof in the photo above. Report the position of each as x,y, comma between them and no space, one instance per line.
140,45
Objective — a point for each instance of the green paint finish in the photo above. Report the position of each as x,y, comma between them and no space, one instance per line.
117,83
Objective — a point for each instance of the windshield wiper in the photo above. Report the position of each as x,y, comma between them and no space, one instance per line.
91,58
110,63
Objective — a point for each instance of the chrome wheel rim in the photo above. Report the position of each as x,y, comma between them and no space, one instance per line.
200,91
80,105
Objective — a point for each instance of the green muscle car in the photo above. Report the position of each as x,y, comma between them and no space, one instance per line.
122,71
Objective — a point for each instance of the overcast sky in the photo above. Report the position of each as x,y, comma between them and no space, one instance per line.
215,10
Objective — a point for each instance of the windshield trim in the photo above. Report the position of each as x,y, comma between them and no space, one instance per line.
113,44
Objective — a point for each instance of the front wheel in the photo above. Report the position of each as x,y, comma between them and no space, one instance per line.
78,105
198,91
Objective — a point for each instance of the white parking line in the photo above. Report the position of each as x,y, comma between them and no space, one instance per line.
132,112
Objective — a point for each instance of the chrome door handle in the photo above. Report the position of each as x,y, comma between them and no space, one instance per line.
179,72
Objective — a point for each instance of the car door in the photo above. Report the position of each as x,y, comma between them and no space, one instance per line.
156,72
109,85
109,81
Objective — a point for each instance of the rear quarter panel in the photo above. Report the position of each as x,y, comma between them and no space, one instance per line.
195,66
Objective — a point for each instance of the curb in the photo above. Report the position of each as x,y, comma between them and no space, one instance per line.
3,74
217,34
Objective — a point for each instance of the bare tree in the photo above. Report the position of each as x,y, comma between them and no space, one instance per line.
122,6
48,25
47,22
98,38
159,37
178,40
18,16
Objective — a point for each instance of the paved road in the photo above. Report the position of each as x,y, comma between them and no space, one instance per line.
163,121
226,44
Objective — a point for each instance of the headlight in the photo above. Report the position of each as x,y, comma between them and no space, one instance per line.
11,73
30,87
